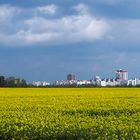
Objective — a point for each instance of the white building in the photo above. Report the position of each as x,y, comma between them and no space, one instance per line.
103,83
65,82
121,75
109,82
39,83
133,82
97,79
84,82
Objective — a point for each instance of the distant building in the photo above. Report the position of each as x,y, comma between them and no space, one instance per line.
65,82
109,82
84,82
71,77
39,83
97,80
103,83
133,82
121,75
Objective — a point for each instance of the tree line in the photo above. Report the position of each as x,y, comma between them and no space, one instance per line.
12,82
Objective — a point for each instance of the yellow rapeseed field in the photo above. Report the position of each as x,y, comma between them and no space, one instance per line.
70,113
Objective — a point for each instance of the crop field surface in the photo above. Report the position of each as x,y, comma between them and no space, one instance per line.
70,113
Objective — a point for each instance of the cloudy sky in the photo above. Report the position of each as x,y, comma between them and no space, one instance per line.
45,40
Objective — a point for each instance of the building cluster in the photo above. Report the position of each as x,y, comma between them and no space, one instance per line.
121,79
39,84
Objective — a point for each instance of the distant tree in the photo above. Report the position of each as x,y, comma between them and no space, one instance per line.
23,83
10,82
2,81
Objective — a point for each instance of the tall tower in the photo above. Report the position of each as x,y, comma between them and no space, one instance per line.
121,75
70,77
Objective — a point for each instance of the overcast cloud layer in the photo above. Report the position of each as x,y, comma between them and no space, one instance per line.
45,40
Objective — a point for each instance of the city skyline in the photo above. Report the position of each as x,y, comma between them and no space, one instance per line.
42,40
120,80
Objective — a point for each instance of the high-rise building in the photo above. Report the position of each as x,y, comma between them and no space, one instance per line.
121,75
70,77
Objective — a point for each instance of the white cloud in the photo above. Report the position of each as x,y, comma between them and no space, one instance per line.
20,27
73,28
81,8
48,9
65,29
81,27
7,12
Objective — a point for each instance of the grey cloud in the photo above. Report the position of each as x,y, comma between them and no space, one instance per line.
39,29
81,27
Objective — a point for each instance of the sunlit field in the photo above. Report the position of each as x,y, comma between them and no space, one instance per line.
82,113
